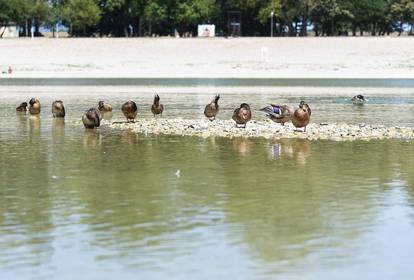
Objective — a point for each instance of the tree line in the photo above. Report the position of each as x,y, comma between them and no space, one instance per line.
125,18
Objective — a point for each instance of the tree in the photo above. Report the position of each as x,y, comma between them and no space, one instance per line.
154,13
80,14
11,11
188,13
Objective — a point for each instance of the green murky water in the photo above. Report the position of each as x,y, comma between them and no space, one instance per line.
106,204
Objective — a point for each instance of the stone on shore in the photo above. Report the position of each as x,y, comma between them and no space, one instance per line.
265,129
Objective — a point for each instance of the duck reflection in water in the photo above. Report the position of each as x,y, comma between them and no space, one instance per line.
297,149
242,145
58,129
129,137
91,138
107,115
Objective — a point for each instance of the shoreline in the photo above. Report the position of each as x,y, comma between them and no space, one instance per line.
264,129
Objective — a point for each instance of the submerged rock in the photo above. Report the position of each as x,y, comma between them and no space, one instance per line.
265,129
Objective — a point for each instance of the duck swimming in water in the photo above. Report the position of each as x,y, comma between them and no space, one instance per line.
279,113
58,110
242,115
211,110
301,117
358,99
130,110
34,106
104,106
91,118
156,107
22,107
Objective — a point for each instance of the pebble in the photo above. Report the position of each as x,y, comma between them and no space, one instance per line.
265,129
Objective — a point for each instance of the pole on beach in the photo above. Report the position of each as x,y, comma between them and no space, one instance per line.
271,23
32,29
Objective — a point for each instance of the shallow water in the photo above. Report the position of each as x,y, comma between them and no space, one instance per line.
101,204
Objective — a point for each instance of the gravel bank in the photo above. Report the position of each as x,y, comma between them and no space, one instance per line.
266,129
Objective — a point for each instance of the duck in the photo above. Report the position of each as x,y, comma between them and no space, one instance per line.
279,113
34,106
156,107
242,115
130,109
91,118
211,110
22,107
301,117
104,106
358,99
58,110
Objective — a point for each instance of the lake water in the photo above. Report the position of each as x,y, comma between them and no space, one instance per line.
107,204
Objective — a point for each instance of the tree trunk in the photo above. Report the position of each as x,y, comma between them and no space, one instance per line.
139,27
374,31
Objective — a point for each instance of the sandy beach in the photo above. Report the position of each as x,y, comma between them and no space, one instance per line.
373,57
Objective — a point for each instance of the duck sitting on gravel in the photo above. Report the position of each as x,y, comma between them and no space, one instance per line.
279,113
358,99
91,118
58,110
156,107
242,115
211,110
130,110
301,117
22,107
34,106
104,106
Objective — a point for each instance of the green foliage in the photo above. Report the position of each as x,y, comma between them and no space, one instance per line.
80,14
140,17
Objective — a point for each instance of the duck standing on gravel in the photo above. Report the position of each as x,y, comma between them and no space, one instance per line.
58,110
104,106
130,110
91,118
279,113
211,110
34,106
301,117
156,107
242,115
22,107
358,99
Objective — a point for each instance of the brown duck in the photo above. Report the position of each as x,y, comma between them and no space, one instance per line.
34,106
22,107
279,113
301,117
104,106
242,115
58,110
156,107
91,118
130,110
211,110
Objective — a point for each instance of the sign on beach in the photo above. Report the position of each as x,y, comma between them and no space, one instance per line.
206,30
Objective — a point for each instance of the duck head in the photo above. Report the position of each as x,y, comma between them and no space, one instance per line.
245,106
33,101
216,98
